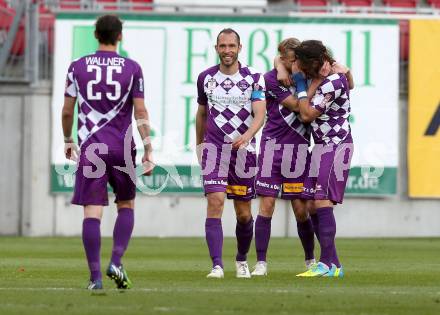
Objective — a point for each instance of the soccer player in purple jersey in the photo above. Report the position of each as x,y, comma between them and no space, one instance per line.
283,160
328,111
107,88
231,109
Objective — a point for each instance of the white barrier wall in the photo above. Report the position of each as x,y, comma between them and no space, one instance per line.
184,46
46,214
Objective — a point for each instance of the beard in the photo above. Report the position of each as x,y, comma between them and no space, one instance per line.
228,60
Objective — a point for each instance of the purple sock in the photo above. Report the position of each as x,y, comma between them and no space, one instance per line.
214,239
91,236
307,237
122,234
327,233
262,236
244,233
314,218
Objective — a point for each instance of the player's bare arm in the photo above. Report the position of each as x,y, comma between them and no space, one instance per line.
70,148
143,125
259,110
291,103
200,127
283,76
313,87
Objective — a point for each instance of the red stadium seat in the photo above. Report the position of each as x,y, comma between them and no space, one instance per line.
141,5
47,22
44,10
401,3
434,3
357,3
312,3
19,41
107,4
6,18
70,4
404,39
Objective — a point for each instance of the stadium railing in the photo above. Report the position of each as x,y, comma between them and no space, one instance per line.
26,44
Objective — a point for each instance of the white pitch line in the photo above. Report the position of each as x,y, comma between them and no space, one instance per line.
183,290
213,290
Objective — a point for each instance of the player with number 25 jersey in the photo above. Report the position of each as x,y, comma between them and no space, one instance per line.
104,84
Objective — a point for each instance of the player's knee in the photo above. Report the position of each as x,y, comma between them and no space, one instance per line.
267,206
300,210
301,215
215,202
242,210
244,216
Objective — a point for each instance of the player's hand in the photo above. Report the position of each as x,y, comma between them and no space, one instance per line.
148,163
284,77
325,69
241,141
71,150
339,68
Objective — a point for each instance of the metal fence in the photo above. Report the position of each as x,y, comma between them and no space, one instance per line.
24,44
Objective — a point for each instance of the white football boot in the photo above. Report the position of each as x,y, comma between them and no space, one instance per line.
216,272
260,269
242,269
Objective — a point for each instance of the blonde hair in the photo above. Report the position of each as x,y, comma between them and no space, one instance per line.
289,44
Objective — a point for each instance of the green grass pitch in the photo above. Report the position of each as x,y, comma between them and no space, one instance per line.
383,276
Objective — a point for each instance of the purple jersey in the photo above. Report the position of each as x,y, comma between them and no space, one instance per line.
104,84
282,124
229,99
332,99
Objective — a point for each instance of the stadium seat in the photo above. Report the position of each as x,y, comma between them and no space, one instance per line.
401,3
357,3
7,15
312,3
70,4
43,9
19,41
434,3
404,39
141,5
107,4
47,22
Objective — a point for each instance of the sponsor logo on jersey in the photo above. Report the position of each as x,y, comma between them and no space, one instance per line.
293,187
236,190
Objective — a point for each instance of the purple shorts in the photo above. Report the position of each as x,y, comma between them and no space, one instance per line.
230,171
282,169
96,171
328,174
